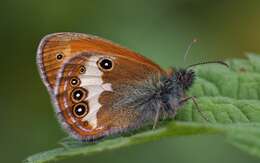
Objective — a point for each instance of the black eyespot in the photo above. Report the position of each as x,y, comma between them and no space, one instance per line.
80,110
105,64
82,69
74,81
78,94
59,56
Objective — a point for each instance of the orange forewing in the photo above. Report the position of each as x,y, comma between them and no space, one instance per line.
71,44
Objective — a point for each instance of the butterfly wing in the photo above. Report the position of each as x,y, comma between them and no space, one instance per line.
90,103
55,49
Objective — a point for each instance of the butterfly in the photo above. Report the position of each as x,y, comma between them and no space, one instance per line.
102,89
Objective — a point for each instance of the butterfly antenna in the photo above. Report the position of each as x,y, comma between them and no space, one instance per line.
208,62
189,48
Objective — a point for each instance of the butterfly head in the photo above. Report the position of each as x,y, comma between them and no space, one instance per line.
175,85
184,78
177,82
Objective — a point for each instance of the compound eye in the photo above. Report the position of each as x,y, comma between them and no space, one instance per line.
105,64
78,94
80,110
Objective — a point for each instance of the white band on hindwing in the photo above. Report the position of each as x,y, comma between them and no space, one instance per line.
92,81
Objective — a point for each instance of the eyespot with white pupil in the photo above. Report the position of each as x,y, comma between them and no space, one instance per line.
59,56
105,64
78,94
74,81
80,110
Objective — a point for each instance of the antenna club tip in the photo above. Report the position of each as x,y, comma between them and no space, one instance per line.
195,40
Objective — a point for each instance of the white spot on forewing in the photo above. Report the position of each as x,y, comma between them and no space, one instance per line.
92,81
94,90
93,70
92,63
94,107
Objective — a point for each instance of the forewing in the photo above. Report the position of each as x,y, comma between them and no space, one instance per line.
56,49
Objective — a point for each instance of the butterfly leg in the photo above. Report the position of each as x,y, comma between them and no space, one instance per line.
156,118
159,108
193,98
157,114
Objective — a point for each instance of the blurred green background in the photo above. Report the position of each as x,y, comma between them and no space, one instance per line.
158,29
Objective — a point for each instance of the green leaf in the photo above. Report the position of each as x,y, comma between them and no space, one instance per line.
228,97
248,142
